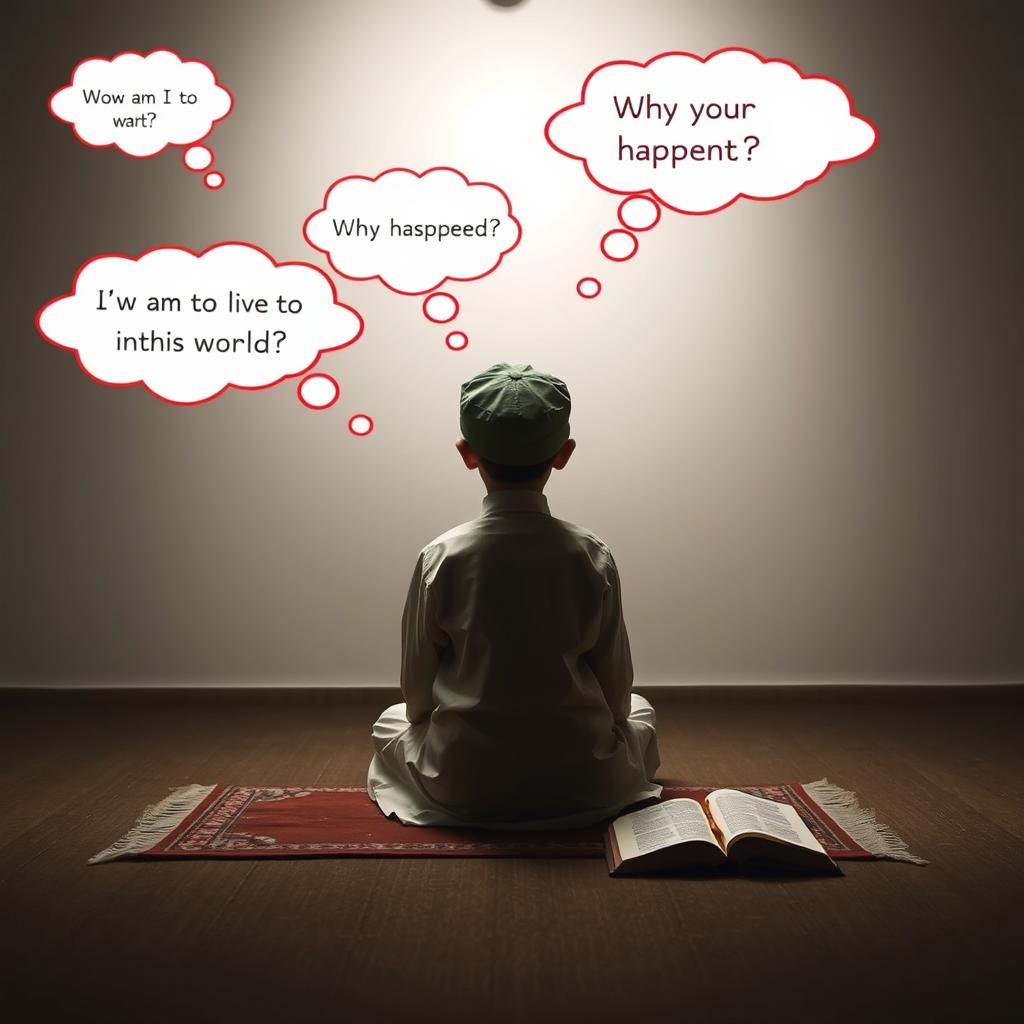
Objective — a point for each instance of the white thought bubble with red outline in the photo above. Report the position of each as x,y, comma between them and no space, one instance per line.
792,131
101,92
413,265
283,339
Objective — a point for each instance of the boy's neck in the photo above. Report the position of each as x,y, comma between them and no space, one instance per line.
495,486
526,485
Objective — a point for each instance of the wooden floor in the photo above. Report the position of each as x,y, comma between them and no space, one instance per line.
506,940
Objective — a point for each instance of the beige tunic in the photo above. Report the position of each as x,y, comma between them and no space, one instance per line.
517,679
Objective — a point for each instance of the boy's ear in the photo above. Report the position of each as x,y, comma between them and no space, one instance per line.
467,453
563,454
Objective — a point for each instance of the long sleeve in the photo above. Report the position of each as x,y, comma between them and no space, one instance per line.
422,645
610,658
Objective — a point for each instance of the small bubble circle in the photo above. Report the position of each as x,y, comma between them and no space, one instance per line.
214,180
588,287
318,391
440,307
638,213
456,341
360,424
619,245
197,158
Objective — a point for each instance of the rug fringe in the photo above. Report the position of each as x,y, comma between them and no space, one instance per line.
859,823
157,821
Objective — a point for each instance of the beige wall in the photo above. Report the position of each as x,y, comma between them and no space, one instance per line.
798,422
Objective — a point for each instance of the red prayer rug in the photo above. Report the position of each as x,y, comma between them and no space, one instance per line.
342,821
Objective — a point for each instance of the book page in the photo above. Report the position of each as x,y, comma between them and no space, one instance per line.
738,813
661,825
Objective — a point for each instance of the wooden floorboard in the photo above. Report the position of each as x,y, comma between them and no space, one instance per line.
506,940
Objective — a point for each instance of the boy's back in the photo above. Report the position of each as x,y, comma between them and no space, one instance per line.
516,675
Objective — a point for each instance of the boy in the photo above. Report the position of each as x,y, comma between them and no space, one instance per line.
516,667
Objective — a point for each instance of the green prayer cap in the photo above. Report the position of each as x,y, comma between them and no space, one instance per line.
514,415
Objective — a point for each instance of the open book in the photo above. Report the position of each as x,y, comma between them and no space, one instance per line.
730,827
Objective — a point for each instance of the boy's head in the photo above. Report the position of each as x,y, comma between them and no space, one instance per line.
515,425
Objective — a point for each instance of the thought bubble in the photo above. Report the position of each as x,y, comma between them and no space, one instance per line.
142,103
413,230
187,326
698,133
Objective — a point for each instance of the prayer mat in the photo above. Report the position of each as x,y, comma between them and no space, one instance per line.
342,821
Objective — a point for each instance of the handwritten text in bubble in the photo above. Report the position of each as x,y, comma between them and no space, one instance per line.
413,230
189,325
142,103
698,133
